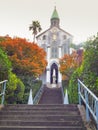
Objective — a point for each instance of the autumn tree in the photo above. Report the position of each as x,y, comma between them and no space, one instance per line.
67,64
26,58
35,27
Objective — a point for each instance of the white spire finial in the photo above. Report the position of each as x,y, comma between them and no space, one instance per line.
55,4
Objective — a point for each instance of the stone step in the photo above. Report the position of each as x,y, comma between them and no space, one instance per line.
41,117
44,116
41,106
39,123
40,109
39,112
41,128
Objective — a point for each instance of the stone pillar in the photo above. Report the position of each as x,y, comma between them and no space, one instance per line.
48,76
59,74
48,53
48,70
60,52
59,78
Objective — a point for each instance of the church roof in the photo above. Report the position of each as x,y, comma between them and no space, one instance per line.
55,14
50,29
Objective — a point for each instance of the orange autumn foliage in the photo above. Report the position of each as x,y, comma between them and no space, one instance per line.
68,64
26,58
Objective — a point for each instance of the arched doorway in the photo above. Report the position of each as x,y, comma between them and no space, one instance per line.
54,67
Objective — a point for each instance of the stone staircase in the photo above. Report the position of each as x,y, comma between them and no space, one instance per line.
51,96
41,117
48,115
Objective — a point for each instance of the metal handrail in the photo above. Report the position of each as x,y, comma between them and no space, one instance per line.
3,88
38,95
90,100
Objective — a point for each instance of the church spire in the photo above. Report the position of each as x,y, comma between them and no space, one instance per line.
55,14
55,18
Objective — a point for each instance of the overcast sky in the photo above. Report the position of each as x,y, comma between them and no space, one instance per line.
78,17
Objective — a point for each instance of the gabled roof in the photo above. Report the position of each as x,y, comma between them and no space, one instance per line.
65,32
43,33
50,28
55,14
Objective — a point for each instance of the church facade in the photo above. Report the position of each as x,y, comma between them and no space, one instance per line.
56,42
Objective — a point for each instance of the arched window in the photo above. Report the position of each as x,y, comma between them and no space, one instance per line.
44,37
44,46
64,37
63,49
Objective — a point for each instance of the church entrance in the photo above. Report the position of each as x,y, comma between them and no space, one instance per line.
54,74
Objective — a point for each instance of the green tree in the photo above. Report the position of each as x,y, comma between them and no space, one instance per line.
90,65
88,71
15,87
5,65
35,27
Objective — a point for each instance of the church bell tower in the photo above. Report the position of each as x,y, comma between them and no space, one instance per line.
55,19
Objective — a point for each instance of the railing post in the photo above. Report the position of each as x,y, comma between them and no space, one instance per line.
3,95
62,93
97,113
79,93
30,99
87,110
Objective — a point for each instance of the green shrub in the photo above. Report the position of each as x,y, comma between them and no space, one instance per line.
35,85
73,85
15,89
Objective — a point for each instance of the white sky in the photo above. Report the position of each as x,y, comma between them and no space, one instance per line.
78,17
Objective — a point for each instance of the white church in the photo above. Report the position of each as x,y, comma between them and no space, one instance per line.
56,42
